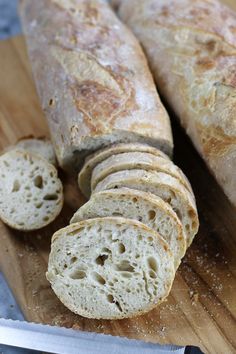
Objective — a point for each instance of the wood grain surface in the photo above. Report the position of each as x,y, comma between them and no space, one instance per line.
201,308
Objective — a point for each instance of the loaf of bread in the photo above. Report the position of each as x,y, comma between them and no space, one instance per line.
145,207
92,79
191,48
85,175
110,268
164,186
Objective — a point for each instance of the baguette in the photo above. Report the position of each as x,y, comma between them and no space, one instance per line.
85,175
92,78
110,268
31,194
191,47
145,207
166,187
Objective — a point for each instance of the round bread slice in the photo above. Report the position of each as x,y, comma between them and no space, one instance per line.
84,178
137,160
145,207
40,146
163,185
110,268
31,195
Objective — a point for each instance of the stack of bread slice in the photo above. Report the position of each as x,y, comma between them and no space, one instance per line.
118,257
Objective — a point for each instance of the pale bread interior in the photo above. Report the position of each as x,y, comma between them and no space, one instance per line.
110,268
145,207
31,194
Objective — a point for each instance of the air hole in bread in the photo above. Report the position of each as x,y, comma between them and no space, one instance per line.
150,239
187,227
50,102
110,298
100,260
98,278
126,274
45,218
140,237
16,186
21,223
194,224
105,250
52,196
116,214
152,264
121,248
38,205
12,210
124,266
152,274
51,174
6,163
178,213
78,274
73,259
128,290
134,200
27,188
38,182
151,214
29,195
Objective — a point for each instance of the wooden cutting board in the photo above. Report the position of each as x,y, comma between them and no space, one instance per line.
201,308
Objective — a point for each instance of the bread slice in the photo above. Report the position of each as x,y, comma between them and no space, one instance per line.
145,207
40,146
163,185
137,160
31,194
93,160
110,268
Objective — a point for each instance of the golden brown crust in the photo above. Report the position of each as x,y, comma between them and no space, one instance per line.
191,47
92,77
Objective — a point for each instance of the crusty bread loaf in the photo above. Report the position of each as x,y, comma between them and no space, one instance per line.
110,268
101,155
191,47
166,187
137,160
145,207
42,147
92,79
31,194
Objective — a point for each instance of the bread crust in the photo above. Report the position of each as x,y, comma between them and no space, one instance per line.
92,79
191,47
